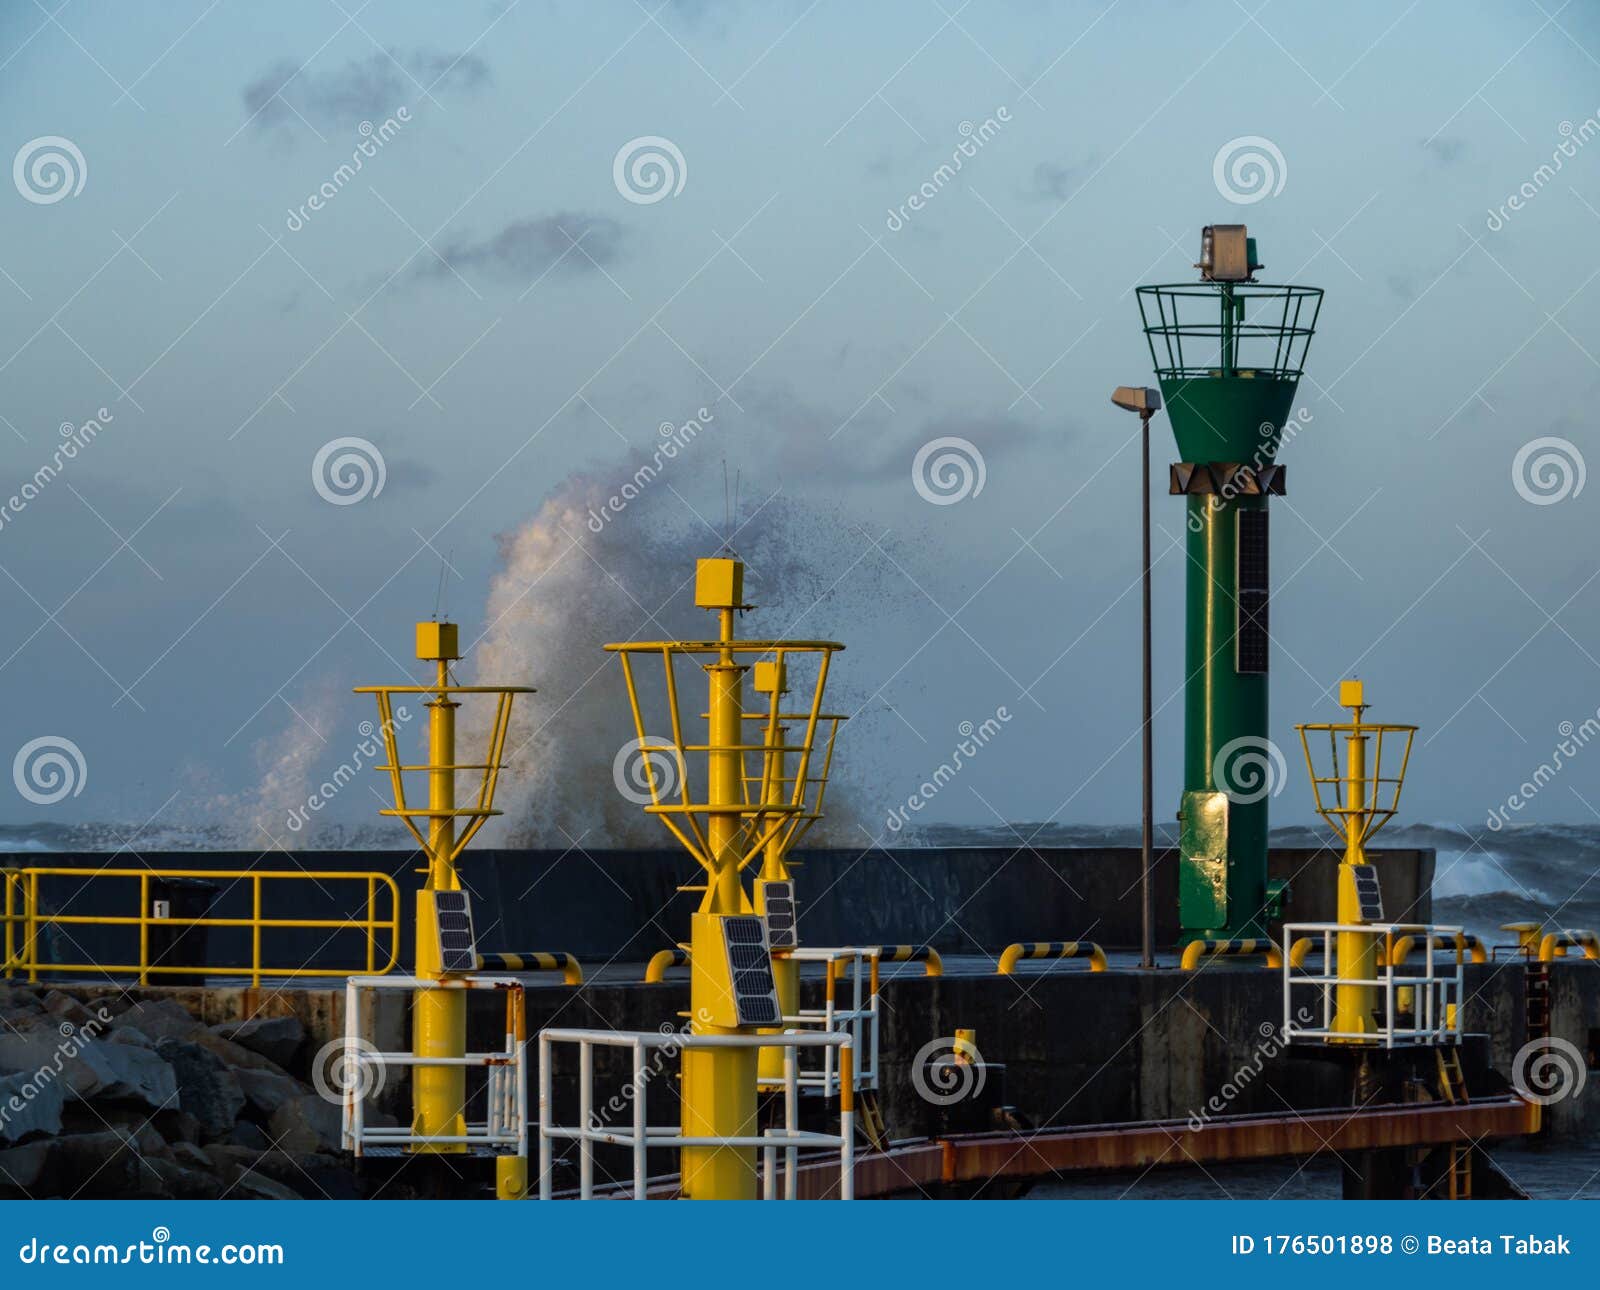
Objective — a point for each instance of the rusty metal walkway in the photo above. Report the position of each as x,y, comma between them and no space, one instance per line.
921,1166
980,1157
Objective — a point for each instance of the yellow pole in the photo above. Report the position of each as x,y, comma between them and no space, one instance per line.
255,930
1356,952
511,1172
719,1084
33,928
439,1017
144,927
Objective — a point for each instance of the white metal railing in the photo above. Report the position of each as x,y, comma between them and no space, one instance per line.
857,968
640,1136
1419,1003
504,1129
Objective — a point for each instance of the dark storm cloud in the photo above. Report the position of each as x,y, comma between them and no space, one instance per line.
408,472
1054,182
1446,149
994,436
361,88
526,248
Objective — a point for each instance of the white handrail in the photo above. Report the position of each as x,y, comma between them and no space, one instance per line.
504,1129
641,1136
860,1018
1437,986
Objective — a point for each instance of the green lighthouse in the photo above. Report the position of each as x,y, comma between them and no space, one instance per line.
1229,352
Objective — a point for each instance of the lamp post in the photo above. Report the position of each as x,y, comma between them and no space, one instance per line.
1146,402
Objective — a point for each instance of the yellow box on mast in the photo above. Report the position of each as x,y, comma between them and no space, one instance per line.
719,583
437,641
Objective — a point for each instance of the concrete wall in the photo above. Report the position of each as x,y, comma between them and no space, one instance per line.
605,905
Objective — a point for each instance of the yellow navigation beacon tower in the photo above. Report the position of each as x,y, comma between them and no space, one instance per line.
446,951
732,801
1357,799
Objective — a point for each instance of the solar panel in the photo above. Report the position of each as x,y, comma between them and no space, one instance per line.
1250,636
453,917
779,900
750,969
1368,895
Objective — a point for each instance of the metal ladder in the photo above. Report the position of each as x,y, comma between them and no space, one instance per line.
1453,1089
869,1119
1536,986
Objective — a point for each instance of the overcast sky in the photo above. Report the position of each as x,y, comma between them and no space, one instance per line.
506,310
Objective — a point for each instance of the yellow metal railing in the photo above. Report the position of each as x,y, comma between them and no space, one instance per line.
1398,949
534,961
655,971
932,964
1021,950
1196,952
1556,944
24,920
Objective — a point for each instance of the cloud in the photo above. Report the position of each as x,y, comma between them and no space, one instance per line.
526,248
1446,150
1054,182
361,88
408,472
693,13
995,435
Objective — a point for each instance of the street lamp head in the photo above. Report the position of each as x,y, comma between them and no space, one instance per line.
1137,398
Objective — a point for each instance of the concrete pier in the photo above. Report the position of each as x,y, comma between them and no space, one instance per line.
1070,1048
